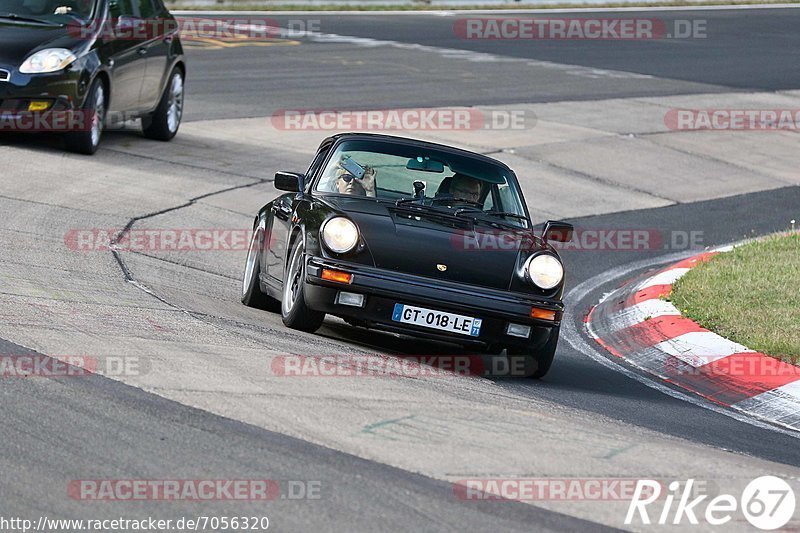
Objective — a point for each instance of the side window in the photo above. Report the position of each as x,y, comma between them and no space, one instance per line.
506,197
314,168
146,9
120,8
158,5
488,204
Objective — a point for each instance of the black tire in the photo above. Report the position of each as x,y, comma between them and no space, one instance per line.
294,311
252,295
87,140
163,123
536,364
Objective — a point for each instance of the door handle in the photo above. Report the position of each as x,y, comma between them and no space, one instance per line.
142,51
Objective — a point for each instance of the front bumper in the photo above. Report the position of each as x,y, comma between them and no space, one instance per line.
383,289
64,90
60,90
67,87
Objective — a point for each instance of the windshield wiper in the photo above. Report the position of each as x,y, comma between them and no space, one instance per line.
474,213
402,201
424,209
75,16
506,215
14,16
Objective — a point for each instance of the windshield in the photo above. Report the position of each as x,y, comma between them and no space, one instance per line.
54,11
391,171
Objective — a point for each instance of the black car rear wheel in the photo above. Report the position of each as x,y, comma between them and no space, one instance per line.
163,123
87,139
252,295
536,363
294,310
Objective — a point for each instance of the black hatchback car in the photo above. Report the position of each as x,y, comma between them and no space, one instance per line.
70,65
411,237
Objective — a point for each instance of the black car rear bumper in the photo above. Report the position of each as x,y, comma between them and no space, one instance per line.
383,289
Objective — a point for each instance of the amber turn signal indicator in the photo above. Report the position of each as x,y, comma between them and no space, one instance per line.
335,275
543,314
38,105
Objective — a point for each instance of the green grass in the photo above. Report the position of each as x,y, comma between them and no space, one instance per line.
275,5
750,295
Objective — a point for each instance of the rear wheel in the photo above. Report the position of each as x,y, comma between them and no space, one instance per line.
252,295
294,310
535,364
87,140
163,123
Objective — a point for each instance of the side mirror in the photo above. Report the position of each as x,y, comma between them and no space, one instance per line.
557,231
289,181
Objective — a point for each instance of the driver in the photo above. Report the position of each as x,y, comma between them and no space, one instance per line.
346,183
465,188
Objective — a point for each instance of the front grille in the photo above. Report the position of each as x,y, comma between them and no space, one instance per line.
4,75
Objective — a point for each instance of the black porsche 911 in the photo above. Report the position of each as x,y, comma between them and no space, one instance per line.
414,238
67,65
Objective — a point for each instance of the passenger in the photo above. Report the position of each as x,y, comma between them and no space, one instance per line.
464,187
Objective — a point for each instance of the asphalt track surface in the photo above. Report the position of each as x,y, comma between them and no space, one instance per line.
752,50
61,429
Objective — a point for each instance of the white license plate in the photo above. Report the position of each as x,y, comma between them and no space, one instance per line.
429,318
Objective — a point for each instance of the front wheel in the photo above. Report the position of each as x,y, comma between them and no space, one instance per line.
536,364
87,140
294,311
163,123
252,295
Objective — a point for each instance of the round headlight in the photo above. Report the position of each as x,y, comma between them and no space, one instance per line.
545,271
49,60
340,235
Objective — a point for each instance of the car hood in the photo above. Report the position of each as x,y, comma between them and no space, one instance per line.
446,248
18,40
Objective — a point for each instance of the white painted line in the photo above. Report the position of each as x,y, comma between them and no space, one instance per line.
700,348
452,12
790,391
448,53
668,277
781,404
569,331
636,314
